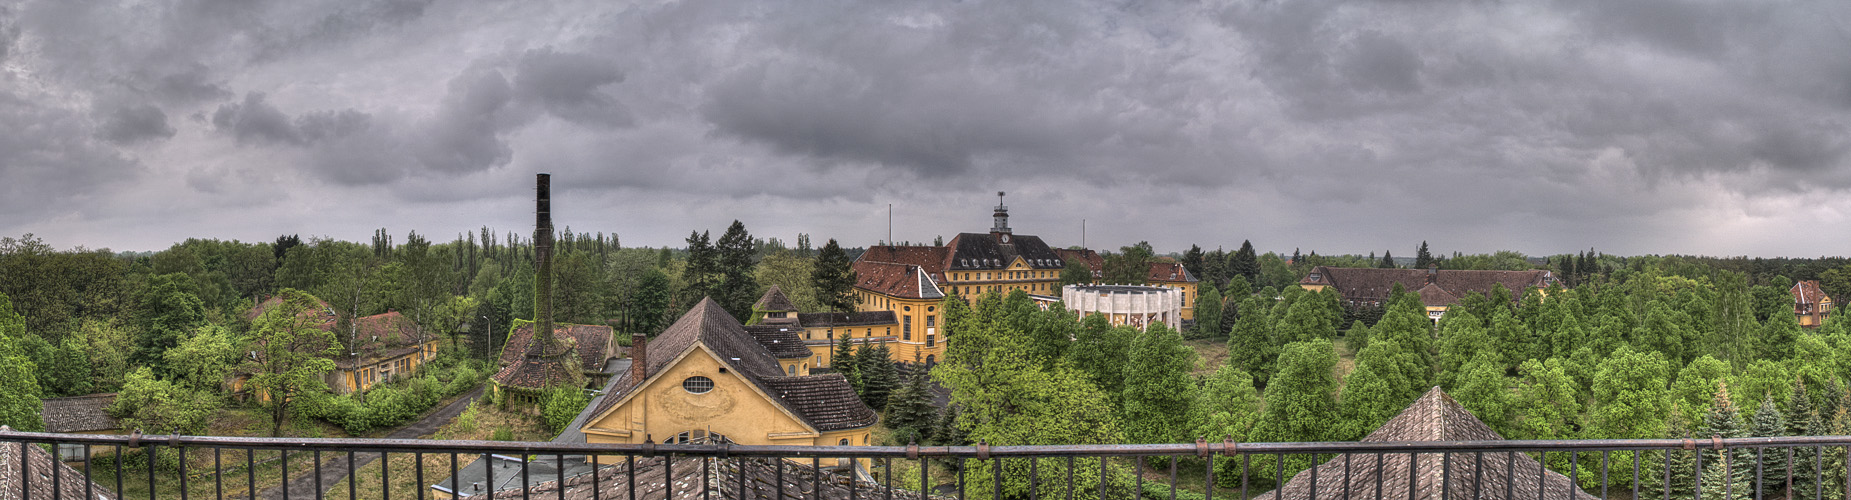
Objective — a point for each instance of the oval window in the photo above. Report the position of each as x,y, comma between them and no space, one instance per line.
697,384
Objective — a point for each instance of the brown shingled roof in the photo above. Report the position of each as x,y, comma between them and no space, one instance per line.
1170,271
1373,284
781,340
79,413
39,462
1433,417
590,341
1090,258
774,301
816,399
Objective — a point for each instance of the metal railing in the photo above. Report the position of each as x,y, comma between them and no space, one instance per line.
235,467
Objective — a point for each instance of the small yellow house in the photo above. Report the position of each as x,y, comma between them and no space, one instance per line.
374,349
1811,305
705,376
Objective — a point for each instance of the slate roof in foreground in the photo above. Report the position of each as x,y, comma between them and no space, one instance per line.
1433,417
79,413
41,475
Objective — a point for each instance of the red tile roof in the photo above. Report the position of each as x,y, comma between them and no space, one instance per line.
1170,272
897,280
1808,292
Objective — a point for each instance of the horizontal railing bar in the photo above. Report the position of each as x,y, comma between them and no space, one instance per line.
515,448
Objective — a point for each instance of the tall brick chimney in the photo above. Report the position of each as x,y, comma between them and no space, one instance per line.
639,358
543,266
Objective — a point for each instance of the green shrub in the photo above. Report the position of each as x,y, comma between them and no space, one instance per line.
502,433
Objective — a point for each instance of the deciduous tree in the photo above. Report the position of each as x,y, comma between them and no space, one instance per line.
291,353
1158,387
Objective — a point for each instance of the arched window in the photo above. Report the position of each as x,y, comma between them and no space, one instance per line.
843,442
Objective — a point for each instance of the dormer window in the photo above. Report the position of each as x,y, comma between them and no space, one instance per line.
1315,277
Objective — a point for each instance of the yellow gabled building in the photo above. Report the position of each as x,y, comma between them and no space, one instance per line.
707,377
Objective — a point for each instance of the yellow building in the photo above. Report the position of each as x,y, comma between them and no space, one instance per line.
374,349
1811,305
706,376
820,332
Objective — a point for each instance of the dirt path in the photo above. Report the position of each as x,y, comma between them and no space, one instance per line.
334,469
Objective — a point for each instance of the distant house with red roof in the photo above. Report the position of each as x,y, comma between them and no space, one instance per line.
1810,303
374,349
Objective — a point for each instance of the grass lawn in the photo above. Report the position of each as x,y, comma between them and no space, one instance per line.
204,477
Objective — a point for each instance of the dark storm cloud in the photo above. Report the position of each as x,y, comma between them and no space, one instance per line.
131,124
1497,124
50,163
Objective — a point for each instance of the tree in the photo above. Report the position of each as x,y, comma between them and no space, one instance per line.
1299,405
1377,390
1422,258
168,310
1482,388
909,408
649,303
1728,467
1546,400
875,367
1130,266
563,405
1226,408
736,255
1244,263
842,359
1768,421
1208,313
204,358
1306,320
155,406
1388,261
1192,261
1158,387
1629,396
701,276
1074,273
1099,352
1250,345
1696,385
107,346
834,278
19,385
291,350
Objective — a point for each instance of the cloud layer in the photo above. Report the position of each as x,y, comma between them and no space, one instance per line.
1650,126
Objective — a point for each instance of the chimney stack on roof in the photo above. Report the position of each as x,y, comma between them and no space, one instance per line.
1433,273
639,358
543,265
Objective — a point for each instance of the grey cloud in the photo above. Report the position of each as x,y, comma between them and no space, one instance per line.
568,85
1376,61
255,121
465,134
131,124
190,84
50,162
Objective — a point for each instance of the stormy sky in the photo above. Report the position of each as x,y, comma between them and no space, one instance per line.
1643,126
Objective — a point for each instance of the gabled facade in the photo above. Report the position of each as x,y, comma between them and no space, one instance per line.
819,332
1810,303
591,346
705,376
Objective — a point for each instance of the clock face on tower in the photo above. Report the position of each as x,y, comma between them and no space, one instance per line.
1005,238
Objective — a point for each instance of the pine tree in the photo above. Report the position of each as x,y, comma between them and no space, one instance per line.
842,359
1682,463
1208,314
945,431
1768,421
909,408
1388,260
834,279
1422,258
875,372
1245,263
1726,469
1803,420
